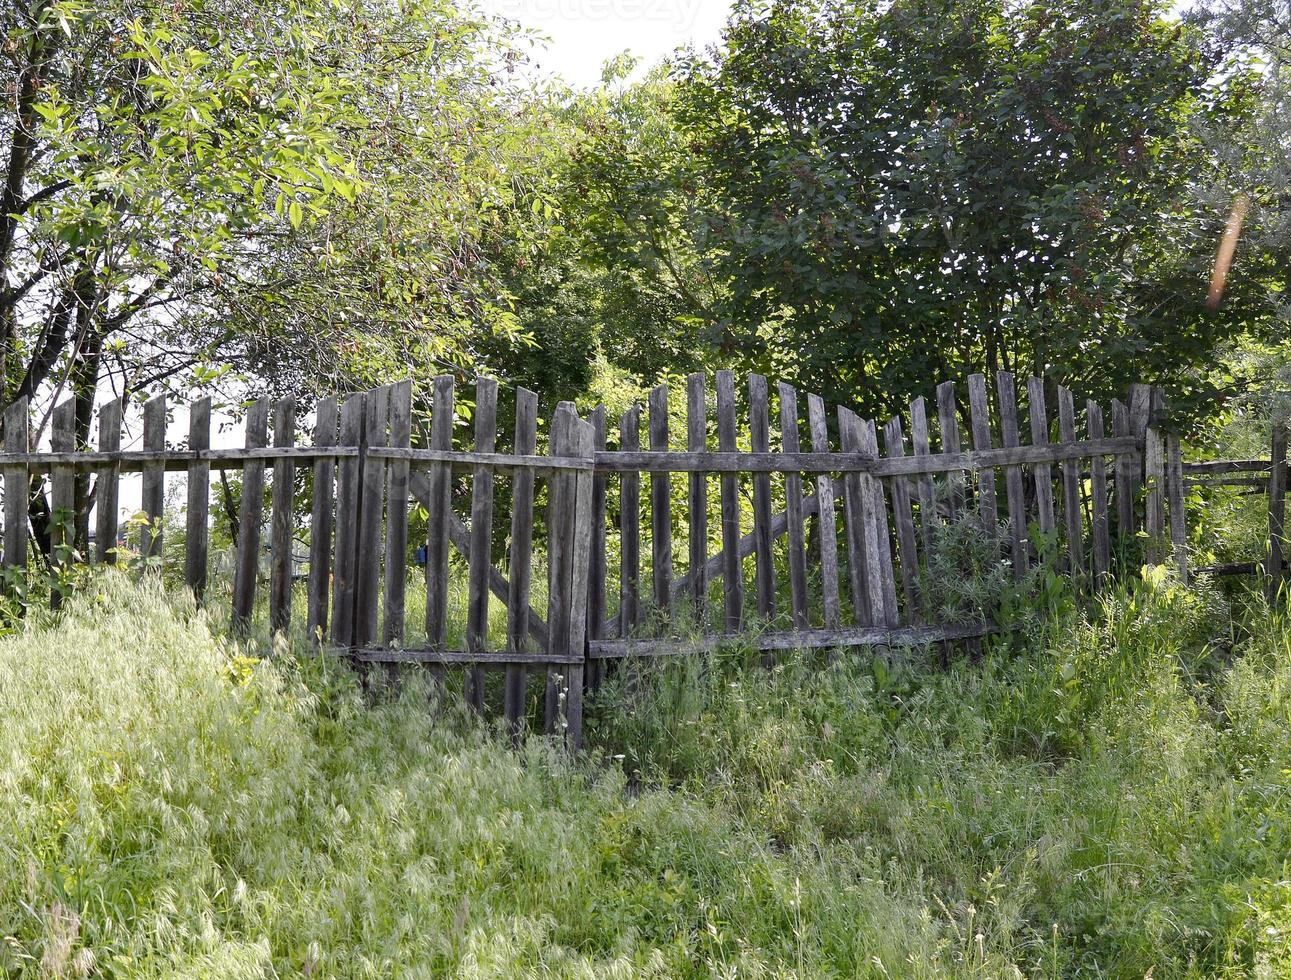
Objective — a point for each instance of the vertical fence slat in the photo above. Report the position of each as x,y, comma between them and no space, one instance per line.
17,493
979,413
894,447
921,443
732,566
283,493
1154,482
247,567
439,514
1070,484
561,501
697,442
790,442
347,531
372,480
154,477
760,442
1014,489
660,507
1038,414
480,560
1140,413
320,520
1123,465
1275,570
948,424
397,471
197,537
526,443
62,530
108,485
874,499
581,446
825,515
598,572
864,607
1102,552
629,526
1178,511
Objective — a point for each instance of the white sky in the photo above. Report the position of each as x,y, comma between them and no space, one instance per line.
585,33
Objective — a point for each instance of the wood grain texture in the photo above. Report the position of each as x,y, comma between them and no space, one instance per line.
372,483
1275,565
630,527
247,563
925,490
732,565
948,426
108,483
903,519
321,519
599,569
282,518
481,556
1042,473
394,622
1178,507
17,489
979,413
799,594
347,523
153,493
697,497
62,526
660,507
521,564
1071,516
1102,550
828,526
440,516
197,535
764,555
1015,491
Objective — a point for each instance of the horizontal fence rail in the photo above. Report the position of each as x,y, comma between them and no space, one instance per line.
389,530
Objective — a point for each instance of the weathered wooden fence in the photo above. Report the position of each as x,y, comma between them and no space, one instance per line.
836,522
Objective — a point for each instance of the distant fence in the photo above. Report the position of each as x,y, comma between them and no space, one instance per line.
836,564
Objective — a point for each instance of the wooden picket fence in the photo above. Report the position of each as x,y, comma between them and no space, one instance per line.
838,566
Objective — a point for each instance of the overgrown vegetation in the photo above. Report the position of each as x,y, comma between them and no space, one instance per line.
1105,795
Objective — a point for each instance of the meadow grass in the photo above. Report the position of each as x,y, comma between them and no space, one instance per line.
1104,796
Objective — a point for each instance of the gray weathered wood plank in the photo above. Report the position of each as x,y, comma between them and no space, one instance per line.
372,482
17,490
521,564
1042,473
1102,552
760,442
979,413
826,515
1015,491
153,492
697,502
660,508
799,595
1070,485
282,517
1178,509
394,622
1275,566
321,519
582,444
561,503
108,484
440,516
481,557
247,562
630,527
197,543
732,567
62,530
347,523
599,570
925,491
903,516
874,501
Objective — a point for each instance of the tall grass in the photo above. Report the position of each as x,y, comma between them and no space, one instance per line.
1107,796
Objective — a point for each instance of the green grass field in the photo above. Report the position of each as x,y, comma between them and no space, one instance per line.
1107,795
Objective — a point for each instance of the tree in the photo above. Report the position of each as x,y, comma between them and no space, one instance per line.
886,195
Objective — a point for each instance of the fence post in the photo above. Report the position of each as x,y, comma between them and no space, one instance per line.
1277,511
